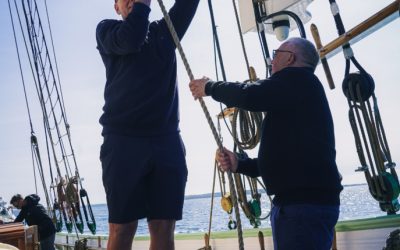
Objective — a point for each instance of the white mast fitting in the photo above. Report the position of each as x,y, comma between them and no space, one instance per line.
279,25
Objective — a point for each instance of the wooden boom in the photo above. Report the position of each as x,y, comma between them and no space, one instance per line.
357,30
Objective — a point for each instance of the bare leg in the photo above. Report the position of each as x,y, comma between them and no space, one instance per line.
121,235
162,234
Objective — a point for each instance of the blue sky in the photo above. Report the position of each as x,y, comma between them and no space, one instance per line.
83,77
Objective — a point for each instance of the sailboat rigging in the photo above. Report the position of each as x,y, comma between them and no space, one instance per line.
65,196
58,173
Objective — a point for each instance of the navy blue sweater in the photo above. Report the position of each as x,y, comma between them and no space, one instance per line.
296,157
141,96
35,214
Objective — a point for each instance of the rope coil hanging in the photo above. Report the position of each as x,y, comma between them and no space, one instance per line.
246,137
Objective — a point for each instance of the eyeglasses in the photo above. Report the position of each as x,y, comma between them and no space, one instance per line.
275,51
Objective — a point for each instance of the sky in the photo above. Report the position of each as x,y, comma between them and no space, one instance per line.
83,77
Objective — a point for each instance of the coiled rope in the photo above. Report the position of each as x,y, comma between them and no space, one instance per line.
249,122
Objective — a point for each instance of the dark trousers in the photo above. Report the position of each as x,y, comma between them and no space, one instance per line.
48,243
303,227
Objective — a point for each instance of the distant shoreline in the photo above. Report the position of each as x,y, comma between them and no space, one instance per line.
218,194
207,195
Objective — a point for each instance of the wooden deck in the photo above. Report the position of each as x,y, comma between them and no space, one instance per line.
366,234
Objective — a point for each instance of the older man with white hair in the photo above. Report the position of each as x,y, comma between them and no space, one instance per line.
296,157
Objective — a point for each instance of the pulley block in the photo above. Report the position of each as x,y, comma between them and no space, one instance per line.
358,80
226,203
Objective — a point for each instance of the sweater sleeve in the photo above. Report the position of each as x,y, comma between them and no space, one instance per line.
281,91
21,216
124,37
248,167
181,14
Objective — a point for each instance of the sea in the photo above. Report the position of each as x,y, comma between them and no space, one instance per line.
356,203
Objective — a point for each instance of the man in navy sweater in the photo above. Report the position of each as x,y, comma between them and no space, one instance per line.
296,157
143,156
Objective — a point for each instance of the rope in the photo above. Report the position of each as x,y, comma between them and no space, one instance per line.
249,126
208,117
241,38
34,147
212,205
257,8
368,130
50,99
250,122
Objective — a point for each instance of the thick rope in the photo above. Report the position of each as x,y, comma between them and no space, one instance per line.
368,130
208,117
249,126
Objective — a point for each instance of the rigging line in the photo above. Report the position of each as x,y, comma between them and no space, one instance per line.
51,152
373,139
20,67
35,56
364,137
215,59
55,60
37,84
48,77
217,46
262,39
241,38
29,115
52,113
40,48
382,134
63,113
216,39
50,93
266,59
34,169
207,114
40,27
212,202
269,197
355,109
41,172
217,49
22,76
233,131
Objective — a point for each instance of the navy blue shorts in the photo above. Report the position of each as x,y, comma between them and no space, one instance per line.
144,177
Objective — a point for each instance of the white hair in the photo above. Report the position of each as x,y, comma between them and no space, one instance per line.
306,52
